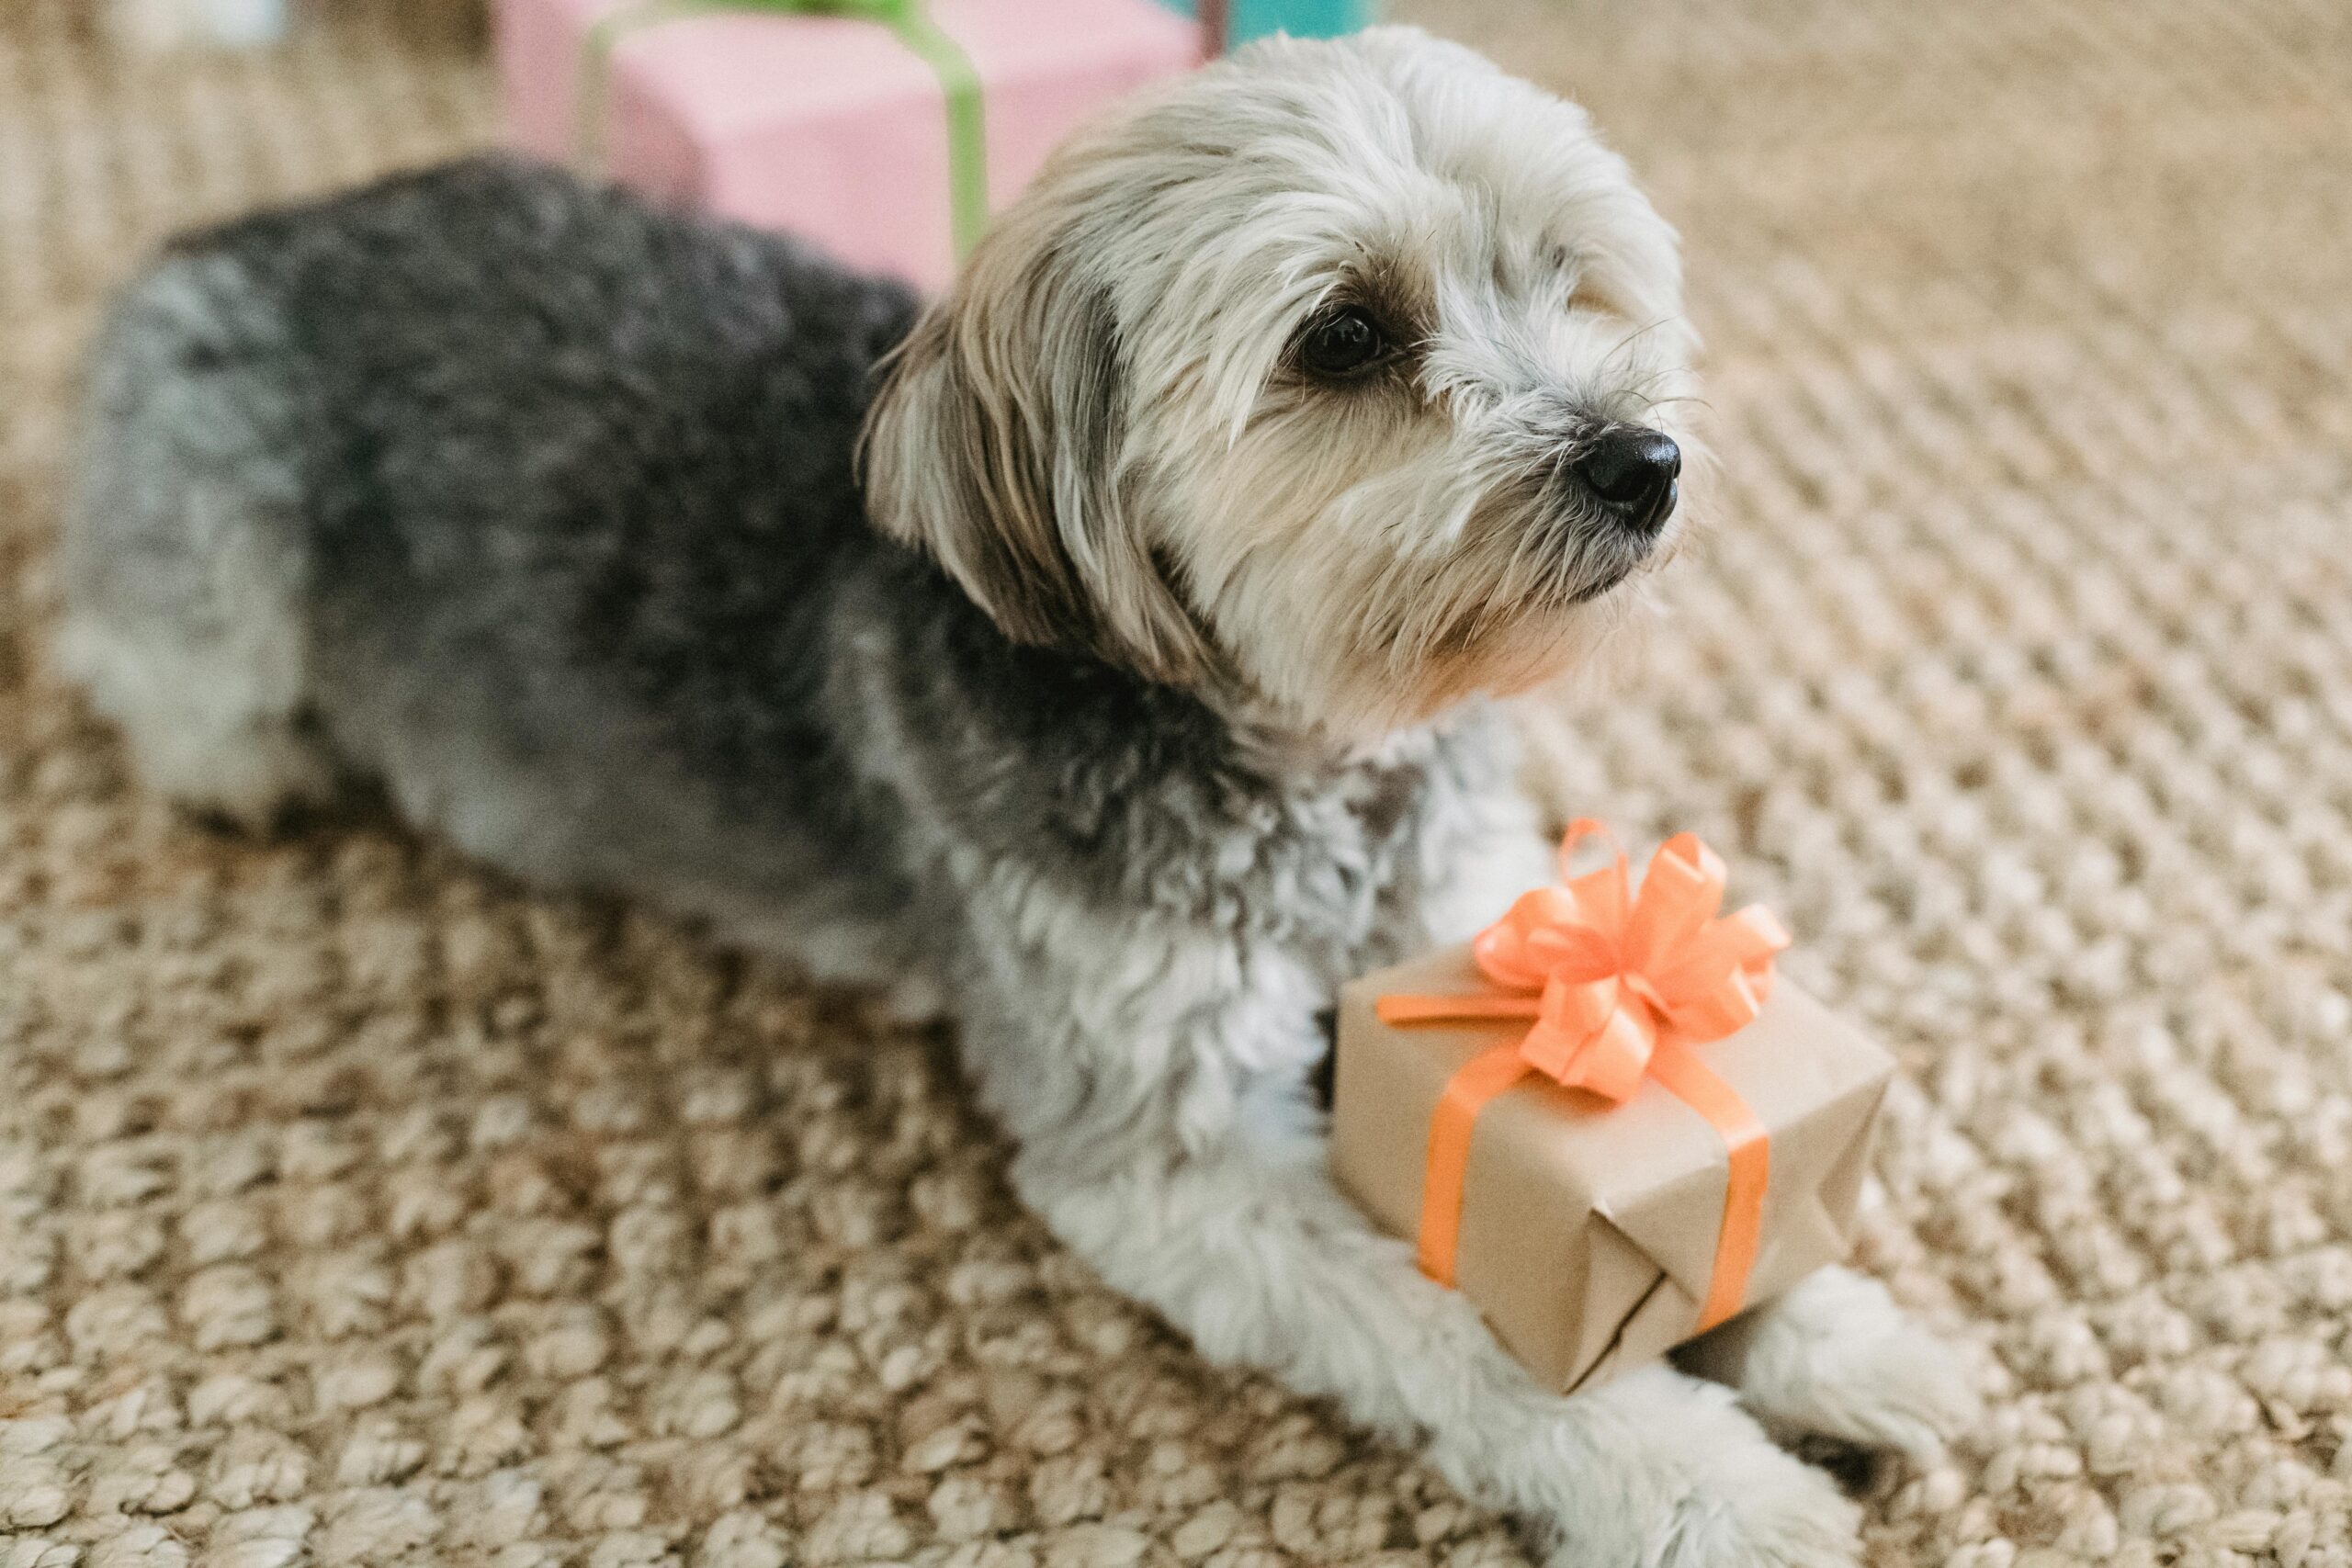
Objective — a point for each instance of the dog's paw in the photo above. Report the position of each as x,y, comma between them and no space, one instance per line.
1694,1483
1836,1357
1771,1511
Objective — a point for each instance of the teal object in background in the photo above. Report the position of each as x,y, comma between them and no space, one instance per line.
1247,20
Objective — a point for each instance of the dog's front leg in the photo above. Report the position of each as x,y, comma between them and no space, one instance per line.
1180,1159
1264,1264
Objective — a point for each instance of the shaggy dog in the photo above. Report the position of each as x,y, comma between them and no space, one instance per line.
1135,692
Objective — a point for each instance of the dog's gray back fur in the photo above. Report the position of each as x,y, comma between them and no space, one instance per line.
543,507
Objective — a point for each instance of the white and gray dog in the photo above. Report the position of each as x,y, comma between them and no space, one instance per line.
1134,691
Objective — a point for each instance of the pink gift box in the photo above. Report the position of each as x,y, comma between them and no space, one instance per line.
829,126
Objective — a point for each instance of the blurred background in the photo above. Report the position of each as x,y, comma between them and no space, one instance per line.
356,1207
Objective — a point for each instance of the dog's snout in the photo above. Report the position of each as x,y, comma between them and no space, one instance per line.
1633,472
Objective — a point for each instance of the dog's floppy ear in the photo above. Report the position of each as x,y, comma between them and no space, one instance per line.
995,446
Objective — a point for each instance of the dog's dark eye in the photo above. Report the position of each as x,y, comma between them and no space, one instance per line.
1342,343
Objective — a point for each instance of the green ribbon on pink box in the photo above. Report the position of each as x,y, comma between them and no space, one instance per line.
959,82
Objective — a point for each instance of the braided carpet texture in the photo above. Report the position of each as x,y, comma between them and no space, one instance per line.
356,1208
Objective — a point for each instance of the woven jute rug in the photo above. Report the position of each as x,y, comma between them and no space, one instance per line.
358,1208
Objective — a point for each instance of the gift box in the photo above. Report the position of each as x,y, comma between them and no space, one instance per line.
1607,1123
1232,22
835,124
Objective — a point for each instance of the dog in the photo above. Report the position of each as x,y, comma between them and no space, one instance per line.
1109,654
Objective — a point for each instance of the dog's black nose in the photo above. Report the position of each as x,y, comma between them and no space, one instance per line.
1633,471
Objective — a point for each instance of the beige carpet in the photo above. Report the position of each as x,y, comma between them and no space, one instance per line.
356,1208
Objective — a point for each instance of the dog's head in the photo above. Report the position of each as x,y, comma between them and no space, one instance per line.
1343,376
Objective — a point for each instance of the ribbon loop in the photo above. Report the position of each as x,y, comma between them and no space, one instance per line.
1613,969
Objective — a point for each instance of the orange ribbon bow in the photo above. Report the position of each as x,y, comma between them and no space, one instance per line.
1614,985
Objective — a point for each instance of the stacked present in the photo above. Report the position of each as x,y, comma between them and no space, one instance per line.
883,130
1604,1121
886,130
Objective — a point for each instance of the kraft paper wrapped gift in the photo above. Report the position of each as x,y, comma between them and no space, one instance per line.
1591,1233
827,124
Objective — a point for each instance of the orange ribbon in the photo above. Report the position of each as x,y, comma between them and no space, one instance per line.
1615,987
